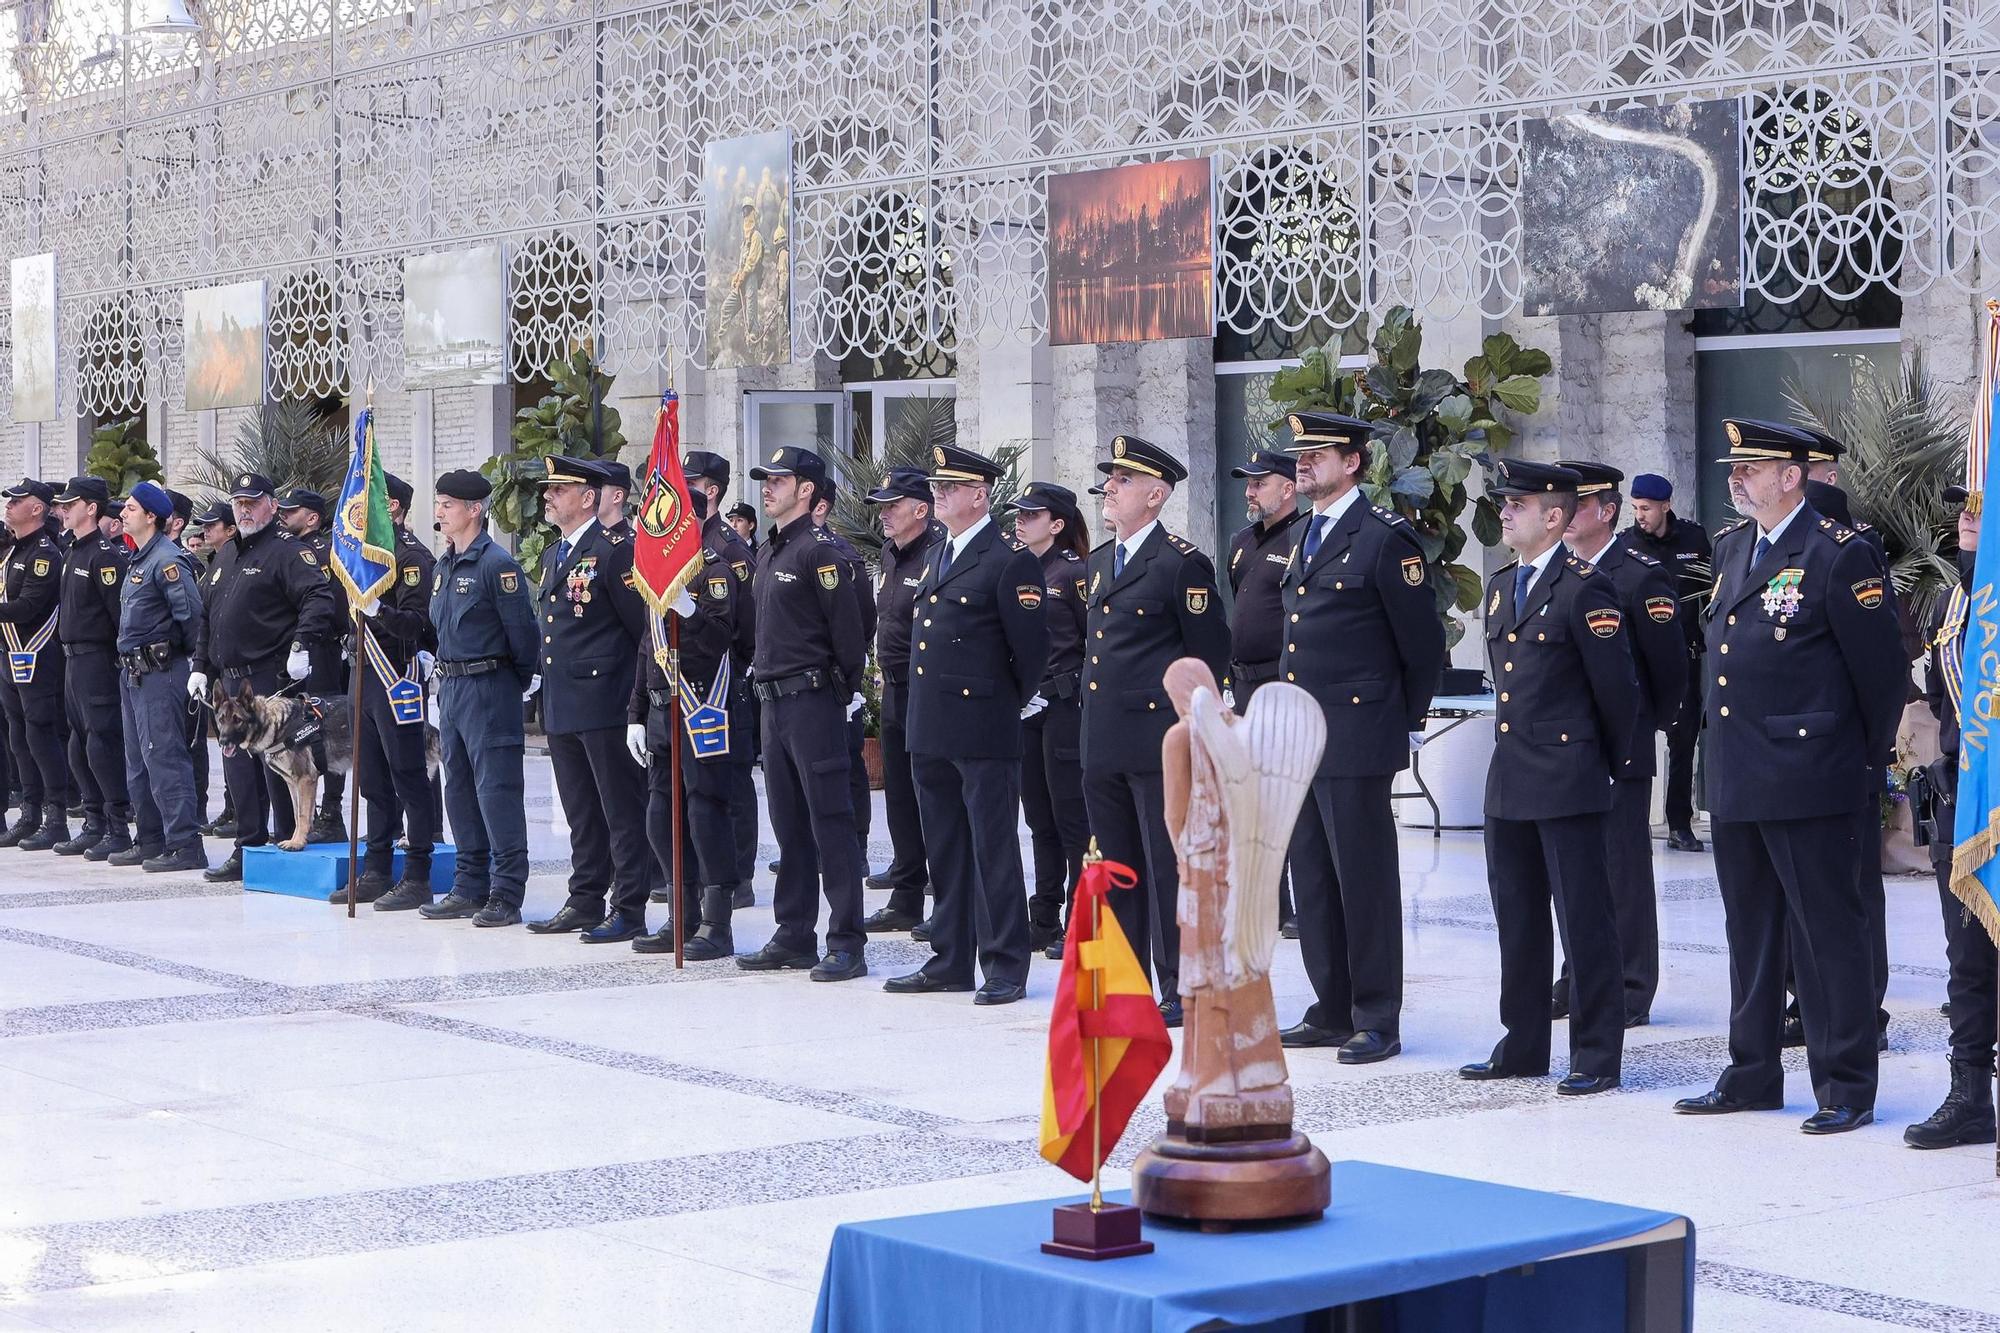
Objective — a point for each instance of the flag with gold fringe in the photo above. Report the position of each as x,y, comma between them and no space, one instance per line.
1102,993
1974,686
666,549
364,536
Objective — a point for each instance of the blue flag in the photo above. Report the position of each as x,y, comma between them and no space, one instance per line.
1972,674
364,536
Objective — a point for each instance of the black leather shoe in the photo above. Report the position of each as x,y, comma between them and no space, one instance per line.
999,992
1715,1102
1305,1034
451,907
841,965
1794,1035
700,948
743,896
885,919
921,932
618,928
879,884
1583,1085
493,914
1559,1002
1288,928
568,921
372,885
1637,1020
1837,1120
921,982
407,896
222,828
1055,949
230,871
1683,840
1365,1048
1041,937
1485,1071
190,857
1170,1012
774,957
139,854
661,941
113,842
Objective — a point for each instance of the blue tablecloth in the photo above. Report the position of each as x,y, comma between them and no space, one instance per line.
1388,1231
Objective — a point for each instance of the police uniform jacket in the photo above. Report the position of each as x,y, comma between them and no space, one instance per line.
1164,607
895,604
1684,552
593,621
31,591
1363,637
1066,583
1257,558
480,607
93,581
1806,679
719,628
402,624
328,674
265,592
1659,648
858,585
160,599
807,616
1942,706
1568,696
982,640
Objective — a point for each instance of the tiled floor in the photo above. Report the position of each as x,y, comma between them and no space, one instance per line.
229,1111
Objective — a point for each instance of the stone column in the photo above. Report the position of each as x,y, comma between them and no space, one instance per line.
1096,394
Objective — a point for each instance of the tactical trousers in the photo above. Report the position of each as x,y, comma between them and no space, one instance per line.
709,787
480,737
1052,798
393,768
1682,736
1973,982
158,774
812,813
96,732
255,791
35,732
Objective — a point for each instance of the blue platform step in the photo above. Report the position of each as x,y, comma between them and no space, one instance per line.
322,867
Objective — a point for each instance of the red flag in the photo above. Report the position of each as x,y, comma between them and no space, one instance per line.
666,552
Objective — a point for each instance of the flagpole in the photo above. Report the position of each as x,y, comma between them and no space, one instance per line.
1092,857
674,778
354,684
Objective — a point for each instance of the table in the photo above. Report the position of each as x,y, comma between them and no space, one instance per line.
1457,709
1397,1249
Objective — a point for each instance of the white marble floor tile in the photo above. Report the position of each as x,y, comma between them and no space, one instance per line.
31,976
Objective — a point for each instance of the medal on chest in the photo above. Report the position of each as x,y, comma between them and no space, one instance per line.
581,575
1782,596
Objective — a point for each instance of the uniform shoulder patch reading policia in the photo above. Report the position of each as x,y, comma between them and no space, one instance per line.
1660,608
1868,592
1413,571
1029,595
829,577
742,568
1603,623
510,581
309,558
718,588
41,568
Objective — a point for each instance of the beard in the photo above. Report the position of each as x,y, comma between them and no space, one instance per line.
250,527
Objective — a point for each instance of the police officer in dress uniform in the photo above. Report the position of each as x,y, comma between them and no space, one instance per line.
303,513
1652,617
33,690
1048,523
1363,636
270,606
593,621
1152,599
488,658
811,645
1805,690
1681,547
1559,651
93,578
216,525
981,642
910,534
159,624
709,473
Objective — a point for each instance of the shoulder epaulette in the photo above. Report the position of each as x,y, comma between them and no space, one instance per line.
1182,544
1641,557
820,535
1835,530
1389,516
709,555
615,538
1016,544
1583,567
1071,556
1738,525
1862,527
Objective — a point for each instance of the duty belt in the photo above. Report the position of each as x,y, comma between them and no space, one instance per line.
1247,673
1066,686
142,661
471,666
805,681
80,649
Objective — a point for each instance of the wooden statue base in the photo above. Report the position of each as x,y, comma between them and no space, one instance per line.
1219,1184
1109,1232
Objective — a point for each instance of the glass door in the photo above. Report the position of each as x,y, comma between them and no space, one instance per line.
905,413
776,417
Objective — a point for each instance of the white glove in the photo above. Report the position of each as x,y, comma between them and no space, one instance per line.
1034,706
1229,700
426,663
437,712
298,664
197,685
635,741
1416,741
853,707
683,605
373,608
534,683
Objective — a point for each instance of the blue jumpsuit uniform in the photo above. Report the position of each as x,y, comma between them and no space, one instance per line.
159,623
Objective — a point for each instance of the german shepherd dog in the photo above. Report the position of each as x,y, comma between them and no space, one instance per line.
299,739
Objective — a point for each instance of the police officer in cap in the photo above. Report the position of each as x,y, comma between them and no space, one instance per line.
1558,648
709,473
93,575
744,519
303,513
1806,685
159,623
217,525
1152,599
612,496
488,657
33,689
811,645
1681,546
857,725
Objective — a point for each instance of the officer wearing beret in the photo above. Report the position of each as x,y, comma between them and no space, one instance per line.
981,641
1048,522
1806,685
1363,636
270,606
32,690
303,513
1152,599
1646,595
612,496
593,621
488,659
1681,546
93,577
159,622
810,648
709,473
903,506
1559,651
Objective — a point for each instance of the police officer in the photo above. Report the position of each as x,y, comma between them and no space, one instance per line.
33,690
159,623
981,641
216,525
1681,546
1152,599
744,519
810,648
857,726
709,474
1806,685
612,497
1048,523
93,577
303,513
903,506
1652,618
270,605
1362,635
1558,649
488,658
391,752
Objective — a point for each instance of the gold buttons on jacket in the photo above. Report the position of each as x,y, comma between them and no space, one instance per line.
1802,731
1507,667
1295,617
1725,647
1565,736
1725,710
1512,637
1355,700
921,645
1504,696
1732,620
1338,586
1291,675
927,622
966,693
1093,684
1722,680
920,671
1150,705
1503,726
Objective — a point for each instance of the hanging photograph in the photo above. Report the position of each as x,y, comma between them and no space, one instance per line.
747,209
1132,253
455,318
1632,210
222,339
34,307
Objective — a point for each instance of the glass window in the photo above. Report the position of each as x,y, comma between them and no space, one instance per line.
1246,420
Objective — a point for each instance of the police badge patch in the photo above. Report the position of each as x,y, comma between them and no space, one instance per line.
1660,609
172,573
1413,571
1029,595
510,581
412,577
1604,623
742,568
109,575
309,558
718,589
829,577
1197,600
41,569
1868,592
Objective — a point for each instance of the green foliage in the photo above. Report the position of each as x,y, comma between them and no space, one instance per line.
1432,423
921,425
121,454
577,419
293,441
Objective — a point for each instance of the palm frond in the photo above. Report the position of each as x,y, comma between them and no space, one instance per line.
922,425
293,442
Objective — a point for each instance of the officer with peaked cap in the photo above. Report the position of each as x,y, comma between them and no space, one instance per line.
1152,599
1806,685
614,494
857,725
303,513
1682,547
32,689
94,577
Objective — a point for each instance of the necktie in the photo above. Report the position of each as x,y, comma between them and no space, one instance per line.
944,564
562,552
1763,549
1522,578
1118,561
1315,534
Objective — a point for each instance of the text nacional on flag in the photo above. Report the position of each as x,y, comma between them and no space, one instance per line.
1974,679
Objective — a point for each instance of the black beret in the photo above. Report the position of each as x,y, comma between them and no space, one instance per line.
464,484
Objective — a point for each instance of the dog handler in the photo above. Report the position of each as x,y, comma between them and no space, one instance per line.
159,622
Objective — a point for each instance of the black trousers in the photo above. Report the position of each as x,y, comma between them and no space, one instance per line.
909,870
971,809
1128,814
1973,982
1790,889
254,790
812,814
1052,798
96,734
710,792
603,793
857,786
1875,898
1244,692
199,724
394,773
1682,735
1350,905
1628,858
1529,865
35,732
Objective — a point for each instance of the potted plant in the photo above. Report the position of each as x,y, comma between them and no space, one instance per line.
121,454
871,719
576,419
